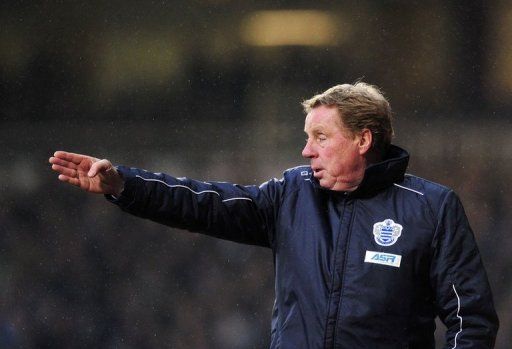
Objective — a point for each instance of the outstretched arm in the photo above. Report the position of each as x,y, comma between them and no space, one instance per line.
88,173
243,214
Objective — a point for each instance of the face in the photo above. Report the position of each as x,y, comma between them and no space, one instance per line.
336,156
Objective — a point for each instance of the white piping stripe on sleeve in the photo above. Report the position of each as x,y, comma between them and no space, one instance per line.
460,317
248,199
414,191
177,186
193,191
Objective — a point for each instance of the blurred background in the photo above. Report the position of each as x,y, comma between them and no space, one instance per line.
212,90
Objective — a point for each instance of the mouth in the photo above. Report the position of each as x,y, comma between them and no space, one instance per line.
316,171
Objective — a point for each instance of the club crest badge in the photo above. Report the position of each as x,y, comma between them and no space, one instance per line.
387,232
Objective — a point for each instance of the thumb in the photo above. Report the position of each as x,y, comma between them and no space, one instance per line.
99,166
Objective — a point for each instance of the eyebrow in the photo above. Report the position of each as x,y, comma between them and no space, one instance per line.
316,129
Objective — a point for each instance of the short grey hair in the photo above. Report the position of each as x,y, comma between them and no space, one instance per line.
360,106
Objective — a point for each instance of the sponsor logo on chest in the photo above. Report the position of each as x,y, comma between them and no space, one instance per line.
392,260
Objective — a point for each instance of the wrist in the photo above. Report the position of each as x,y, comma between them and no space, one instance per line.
118,190
118,187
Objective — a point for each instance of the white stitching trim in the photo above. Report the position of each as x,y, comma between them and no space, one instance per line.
248,199
460,317
297,167
193,191
414,191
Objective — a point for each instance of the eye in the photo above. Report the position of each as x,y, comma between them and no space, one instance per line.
321,137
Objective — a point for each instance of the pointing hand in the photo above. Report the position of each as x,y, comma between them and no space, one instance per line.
89,173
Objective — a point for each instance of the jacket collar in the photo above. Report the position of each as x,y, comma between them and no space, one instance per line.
380,175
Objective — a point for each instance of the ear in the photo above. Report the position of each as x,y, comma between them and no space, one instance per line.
365,141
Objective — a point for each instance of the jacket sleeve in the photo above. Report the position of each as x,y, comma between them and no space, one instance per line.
463,296
244,214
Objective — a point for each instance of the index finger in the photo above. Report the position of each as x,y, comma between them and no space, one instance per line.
71,157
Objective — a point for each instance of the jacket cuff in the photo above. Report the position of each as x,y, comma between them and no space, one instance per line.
129,194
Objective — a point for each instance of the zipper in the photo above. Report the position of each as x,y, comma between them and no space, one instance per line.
343,273
336,280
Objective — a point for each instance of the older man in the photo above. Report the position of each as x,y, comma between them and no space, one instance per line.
365,255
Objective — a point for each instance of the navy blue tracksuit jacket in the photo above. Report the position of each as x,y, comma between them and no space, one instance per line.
367,269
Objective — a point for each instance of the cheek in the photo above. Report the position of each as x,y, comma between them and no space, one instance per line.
332,159
336,161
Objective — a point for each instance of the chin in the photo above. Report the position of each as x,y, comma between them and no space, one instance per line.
326,184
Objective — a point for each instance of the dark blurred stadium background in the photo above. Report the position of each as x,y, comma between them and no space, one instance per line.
211,90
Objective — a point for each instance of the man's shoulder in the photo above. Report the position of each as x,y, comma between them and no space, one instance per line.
294,177
298,171
298,174
432,192
424,185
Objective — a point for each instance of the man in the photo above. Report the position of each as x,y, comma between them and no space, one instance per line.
365,256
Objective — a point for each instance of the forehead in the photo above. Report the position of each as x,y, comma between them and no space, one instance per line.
323,117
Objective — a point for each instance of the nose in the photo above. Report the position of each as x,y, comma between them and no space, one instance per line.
308,151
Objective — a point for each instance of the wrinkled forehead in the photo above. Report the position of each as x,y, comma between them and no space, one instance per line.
323,117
